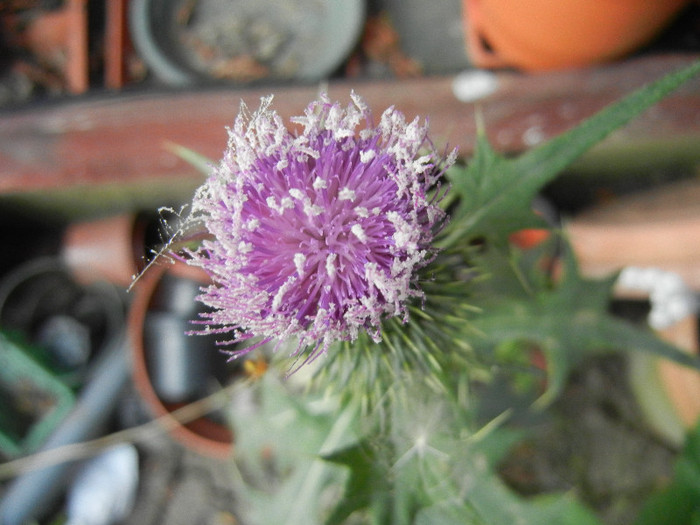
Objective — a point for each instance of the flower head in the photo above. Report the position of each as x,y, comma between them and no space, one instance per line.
317,234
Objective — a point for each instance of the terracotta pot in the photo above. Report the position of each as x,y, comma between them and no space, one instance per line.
59,38
656,228
203,435
111,248
538,35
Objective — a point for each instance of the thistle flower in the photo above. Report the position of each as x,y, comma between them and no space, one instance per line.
317,234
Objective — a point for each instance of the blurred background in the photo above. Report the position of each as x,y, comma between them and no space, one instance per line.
95,99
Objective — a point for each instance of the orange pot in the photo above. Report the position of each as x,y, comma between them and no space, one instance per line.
538,35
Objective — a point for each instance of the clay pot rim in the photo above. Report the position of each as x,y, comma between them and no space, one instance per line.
212,446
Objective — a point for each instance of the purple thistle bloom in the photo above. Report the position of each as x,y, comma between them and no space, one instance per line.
317,235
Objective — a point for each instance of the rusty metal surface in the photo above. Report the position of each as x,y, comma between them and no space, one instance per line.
120,138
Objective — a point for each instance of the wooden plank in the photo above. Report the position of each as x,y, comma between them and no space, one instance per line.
120,138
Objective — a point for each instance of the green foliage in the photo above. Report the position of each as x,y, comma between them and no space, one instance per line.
428,468
198,161
568,320
280,434
679,503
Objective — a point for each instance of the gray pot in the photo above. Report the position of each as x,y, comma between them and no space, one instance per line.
242,41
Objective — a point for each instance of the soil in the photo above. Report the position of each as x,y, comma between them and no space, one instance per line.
247,41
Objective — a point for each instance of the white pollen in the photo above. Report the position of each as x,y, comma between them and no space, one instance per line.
252,224
362,212
245,247
299,260
320,184
366,134
312,210
330,264
346,194
296,193
281,292
366,156
359,233
286,203
401,238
